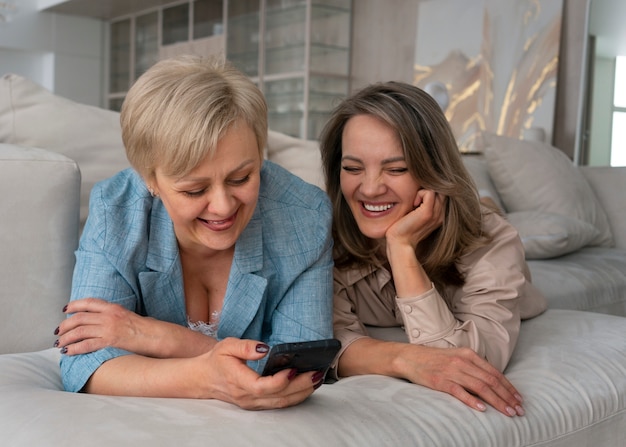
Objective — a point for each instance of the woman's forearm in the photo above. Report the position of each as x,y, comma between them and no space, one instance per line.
161,339
134,375
370,356
409,276
96,324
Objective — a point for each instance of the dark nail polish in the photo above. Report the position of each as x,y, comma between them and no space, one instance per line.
56,331
56,344
64,350
292,373
317,376
65,308
262,348
318,384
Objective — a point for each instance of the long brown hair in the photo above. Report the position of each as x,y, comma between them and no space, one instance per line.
432,158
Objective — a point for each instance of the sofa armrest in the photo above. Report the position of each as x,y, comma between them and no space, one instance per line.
609,185
38,236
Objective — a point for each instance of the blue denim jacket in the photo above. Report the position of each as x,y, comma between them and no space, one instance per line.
280,286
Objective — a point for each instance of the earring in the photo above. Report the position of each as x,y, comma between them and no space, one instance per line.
152,193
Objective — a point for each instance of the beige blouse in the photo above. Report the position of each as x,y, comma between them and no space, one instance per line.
484,314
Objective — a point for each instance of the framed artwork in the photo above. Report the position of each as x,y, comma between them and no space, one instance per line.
491,64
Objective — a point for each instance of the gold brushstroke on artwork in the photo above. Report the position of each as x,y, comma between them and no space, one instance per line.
421,72
529,42
532,12
532,78
506,102
546,76
463,95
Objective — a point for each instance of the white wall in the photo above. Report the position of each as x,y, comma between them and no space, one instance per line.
63,53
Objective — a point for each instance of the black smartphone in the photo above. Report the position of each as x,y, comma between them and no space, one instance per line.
304,356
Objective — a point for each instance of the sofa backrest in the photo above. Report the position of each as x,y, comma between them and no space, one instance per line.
609,185
38,236
32,116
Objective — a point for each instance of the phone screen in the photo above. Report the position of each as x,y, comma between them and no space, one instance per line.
305,356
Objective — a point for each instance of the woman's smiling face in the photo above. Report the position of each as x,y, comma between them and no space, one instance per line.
211,206
375,180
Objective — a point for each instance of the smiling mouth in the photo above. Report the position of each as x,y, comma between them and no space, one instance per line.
377,208
215,222
219,225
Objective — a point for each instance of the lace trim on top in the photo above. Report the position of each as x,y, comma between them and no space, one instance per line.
209,329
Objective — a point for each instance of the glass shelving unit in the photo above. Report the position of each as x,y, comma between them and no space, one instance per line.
119,72
175,24
208,18
302,61
297,51
136,39
242,35
146,42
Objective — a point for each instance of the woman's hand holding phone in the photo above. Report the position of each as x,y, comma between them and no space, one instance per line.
230,379
302,357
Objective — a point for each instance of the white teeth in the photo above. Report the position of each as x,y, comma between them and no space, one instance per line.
214,222
377,208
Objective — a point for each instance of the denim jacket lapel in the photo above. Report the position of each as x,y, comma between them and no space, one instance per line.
243,305
163,281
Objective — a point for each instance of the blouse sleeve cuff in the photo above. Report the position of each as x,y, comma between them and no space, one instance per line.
426,317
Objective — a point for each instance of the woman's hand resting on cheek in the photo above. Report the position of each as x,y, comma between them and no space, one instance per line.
418,224
403,237
96,324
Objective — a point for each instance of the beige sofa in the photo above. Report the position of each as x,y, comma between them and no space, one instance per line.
572,220
570,365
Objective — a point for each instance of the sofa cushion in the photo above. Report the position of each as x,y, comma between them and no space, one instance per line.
534,176
548,235
32,116
592,279
479,171
39,210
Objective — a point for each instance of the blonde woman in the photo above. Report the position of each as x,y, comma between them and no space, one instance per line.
196,261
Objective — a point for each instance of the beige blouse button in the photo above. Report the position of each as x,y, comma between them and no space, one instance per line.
415,333
407,309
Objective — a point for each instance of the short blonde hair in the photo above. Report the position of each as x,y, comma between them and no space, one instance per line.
176,112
